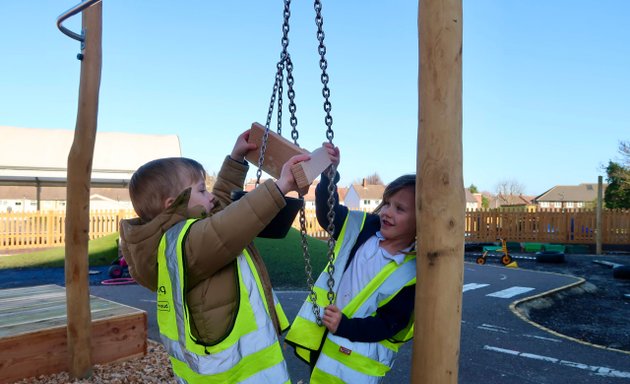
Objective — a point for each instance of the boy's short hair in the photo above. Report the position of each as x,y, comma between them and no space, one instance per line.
157,180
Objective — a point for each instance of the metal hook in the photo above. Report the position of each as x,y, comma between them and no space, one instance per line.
71,12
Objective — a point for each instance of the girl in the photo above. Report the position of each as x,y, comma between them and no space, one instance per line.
374,286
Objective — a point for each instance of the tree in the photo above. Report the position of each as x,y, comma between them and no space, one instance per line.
485,202
507,188
373,179
617,195
473,188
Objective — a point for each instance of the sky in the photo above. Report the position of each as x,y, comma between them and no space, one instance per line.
545,83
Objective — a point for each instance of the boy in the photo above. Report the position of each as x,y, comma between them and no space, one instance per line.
217,314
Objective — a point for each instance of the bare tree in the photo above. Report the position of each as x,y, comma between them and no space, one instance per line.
507,188
373,179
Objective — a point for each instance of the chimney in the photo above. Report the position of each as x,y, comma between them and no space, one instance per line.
364,182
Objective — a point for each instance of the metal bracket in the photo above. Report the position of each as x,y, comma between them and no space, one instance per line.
71,12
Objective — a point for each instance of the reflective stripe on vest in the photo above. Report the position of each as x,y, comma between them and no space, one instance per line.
354,362
304,332
250,353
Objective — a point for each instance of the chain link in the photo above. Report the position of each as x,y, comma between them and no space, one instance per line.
323,65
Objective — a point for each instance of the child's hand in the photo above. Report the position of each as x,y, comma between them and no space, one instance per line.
332,318
286,182
241,147
333,153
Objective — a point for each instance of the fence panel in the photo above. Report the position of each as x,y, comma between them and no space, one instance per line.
47,229
575,226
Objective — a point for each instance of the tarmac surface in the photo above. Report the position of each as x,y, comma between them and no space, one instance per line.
596,313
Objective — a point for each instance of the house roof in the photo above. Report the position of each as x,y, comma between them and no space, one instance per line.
33,154
470,198
581,192
514,200
59,193
369,191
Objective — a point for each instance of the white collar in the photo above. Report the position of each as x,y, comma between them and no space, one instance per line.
398,257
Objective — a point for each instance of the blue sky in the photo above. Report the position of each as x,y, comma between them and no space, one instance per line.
545,82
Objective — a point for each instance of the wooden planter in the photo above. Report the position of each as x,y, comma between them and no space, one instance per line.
33,332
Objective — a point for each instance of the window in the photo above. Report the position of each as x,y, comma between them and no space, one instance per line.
569,204
544,204
557,204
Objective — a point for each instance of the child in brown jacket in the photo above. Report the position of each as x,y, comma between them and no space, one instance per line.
218,316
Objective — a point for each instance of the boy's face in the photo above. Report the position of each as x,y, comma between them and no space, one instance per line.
199,195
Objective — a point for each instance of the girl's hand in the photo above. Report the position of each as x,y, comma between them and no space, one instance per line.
286,182
242,147
333,153
332,318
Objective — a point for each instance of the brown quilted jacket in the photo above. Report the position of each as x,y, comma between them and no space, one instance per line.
211,248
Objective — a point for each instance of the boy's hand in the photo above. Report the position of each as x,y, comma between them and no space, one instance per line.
242,147
286,182
333,153
332,318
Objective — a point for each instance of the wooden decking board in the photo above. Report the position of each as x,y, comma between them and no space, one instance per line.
26,291
7,306
53,311
33,336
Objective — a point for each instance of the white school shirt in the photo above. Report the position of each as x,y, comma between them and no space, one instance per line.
367,262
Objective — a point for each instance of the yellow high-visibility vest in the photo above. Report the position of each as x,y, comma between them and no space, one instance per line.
250,353
341,360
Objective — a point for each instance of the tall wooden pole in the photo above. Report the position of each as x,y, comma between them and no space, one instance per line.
598,217
78,198
439,194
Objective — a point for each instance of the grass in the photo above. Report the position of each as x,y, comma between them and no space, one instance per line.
102,251
283,257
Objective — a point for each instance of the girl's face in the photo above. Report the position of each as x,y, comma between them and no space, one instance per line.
199,195
398,216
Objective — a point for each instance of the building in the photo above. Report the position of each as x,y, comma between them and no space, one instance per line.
473,200
570,196
33,166
364,197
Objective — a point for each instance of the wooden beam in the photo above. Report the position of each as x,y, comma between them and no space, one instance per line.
439,194
78,198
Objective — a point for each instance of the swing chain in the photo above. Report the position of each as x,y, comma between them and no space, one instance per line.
308,269
323,65
330,134
278,90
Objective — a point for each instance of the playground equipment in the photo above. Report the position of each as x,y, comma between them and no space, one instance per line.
275,150
506,258
439,162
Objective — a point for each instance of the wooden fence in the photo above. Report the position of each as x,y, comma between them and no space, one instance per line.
47,229
575,226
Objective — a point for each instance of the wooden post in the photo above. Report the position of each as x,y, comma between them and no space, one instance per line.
598,217
78,198
439,194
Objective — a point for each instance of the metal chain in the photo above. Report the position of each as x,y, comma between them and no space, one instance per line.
276,94
323,65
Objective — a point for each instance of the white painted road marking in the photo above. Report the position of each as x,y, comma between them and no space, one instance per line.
471,286
510,292
599,371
